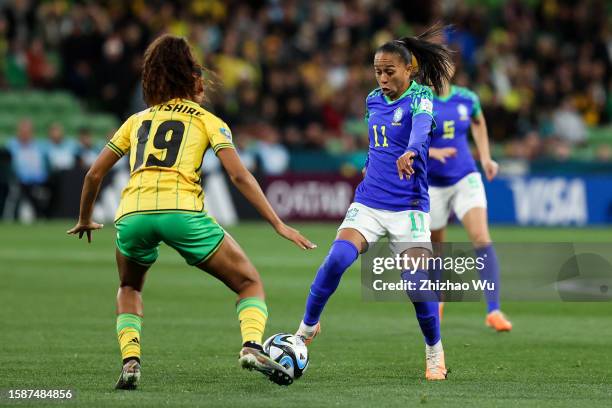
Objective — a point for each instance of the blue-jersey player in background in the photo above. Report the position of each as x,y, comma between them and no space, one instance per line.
456,185
392,199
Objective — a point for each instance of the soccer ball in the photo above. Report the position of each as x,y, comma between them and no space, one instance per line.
289,351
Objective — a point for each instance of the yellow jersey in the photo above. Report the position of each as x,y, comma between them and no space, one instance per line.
166,144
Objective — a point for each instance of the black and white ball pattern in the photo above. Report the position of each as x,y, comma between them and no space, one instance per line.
289,351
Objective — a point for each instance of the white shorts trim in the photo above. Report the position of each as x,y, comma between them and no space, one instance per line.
461,197
405,229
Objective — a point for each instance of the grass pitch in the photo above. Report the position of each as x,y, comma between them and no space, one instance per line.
57,314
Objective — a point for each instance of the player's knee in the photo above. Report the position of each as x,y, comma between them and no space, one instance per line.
341,255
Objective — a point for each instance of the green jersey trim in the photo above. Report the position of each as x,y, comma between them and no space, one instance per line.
115,149
220,146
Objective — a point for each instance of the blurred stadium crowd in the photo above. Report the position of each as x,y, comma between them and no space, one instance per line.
291,76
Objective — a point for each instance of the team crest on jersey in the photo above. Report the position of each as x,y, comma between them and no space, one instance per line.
397,116
226,132
463,111
351,214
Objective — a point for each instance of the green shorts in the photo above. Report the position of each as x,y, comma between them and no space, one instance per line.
195,236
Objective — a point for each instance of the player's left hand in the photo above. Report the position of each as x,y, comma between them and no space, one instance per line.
84,228
404,165
490,168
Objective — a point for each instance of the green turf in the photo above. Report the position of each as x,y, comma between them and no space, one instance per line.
57,315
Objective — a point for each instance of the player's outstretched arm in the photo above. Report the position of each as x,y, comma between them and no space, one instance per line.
91,186
249,187
481,138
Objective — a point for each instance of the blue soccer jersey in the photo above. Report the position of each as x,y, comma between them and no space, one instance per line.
395,127
453,115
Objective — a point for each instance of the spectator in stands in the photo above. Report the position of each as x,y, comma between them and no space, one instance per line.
304,66
61,152
61,155
30,167
41,71
272,155
568,124
21,19
87,151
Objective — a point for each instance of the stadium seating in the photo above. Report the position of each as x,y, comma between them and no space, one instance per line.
45,108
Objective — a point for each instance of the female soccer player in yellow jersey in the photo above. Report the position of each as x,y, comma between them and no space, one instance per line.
163,202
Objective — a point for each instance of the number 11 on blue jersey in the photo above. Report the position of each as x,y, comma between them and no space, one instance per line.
383,129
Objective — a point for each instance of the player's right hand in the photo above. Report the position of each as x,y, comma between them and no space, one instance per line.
442,154
294,235
490,168
84,227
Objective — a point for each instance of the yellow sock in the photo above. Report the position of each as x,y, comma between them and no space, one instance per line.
128,332
253,314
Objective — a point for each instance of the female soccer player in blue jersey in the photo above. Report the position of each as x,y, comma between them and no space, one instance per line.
455,183
392,199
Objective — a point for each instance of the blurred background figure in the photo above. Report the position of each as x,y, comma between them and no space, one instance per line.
60,151
31,168
61,154
87,150
568,125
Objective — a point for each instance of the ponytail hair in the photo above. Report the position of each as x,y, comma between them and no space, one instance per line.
434,60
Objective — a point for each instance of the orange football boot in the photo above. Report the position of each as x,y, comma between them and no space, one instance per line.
307,335
498,321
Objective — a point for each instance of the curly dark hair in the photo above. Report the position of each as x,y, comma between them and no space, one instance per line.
169,71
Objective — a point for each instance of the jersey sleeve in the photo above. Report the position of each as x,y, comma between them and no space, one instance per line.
476,108
419,135
219,135
422,101
120,142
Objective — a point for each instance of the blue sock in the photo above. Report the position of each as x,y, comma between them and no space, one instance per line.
426,307
436,275
427,314
341,255
490,273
